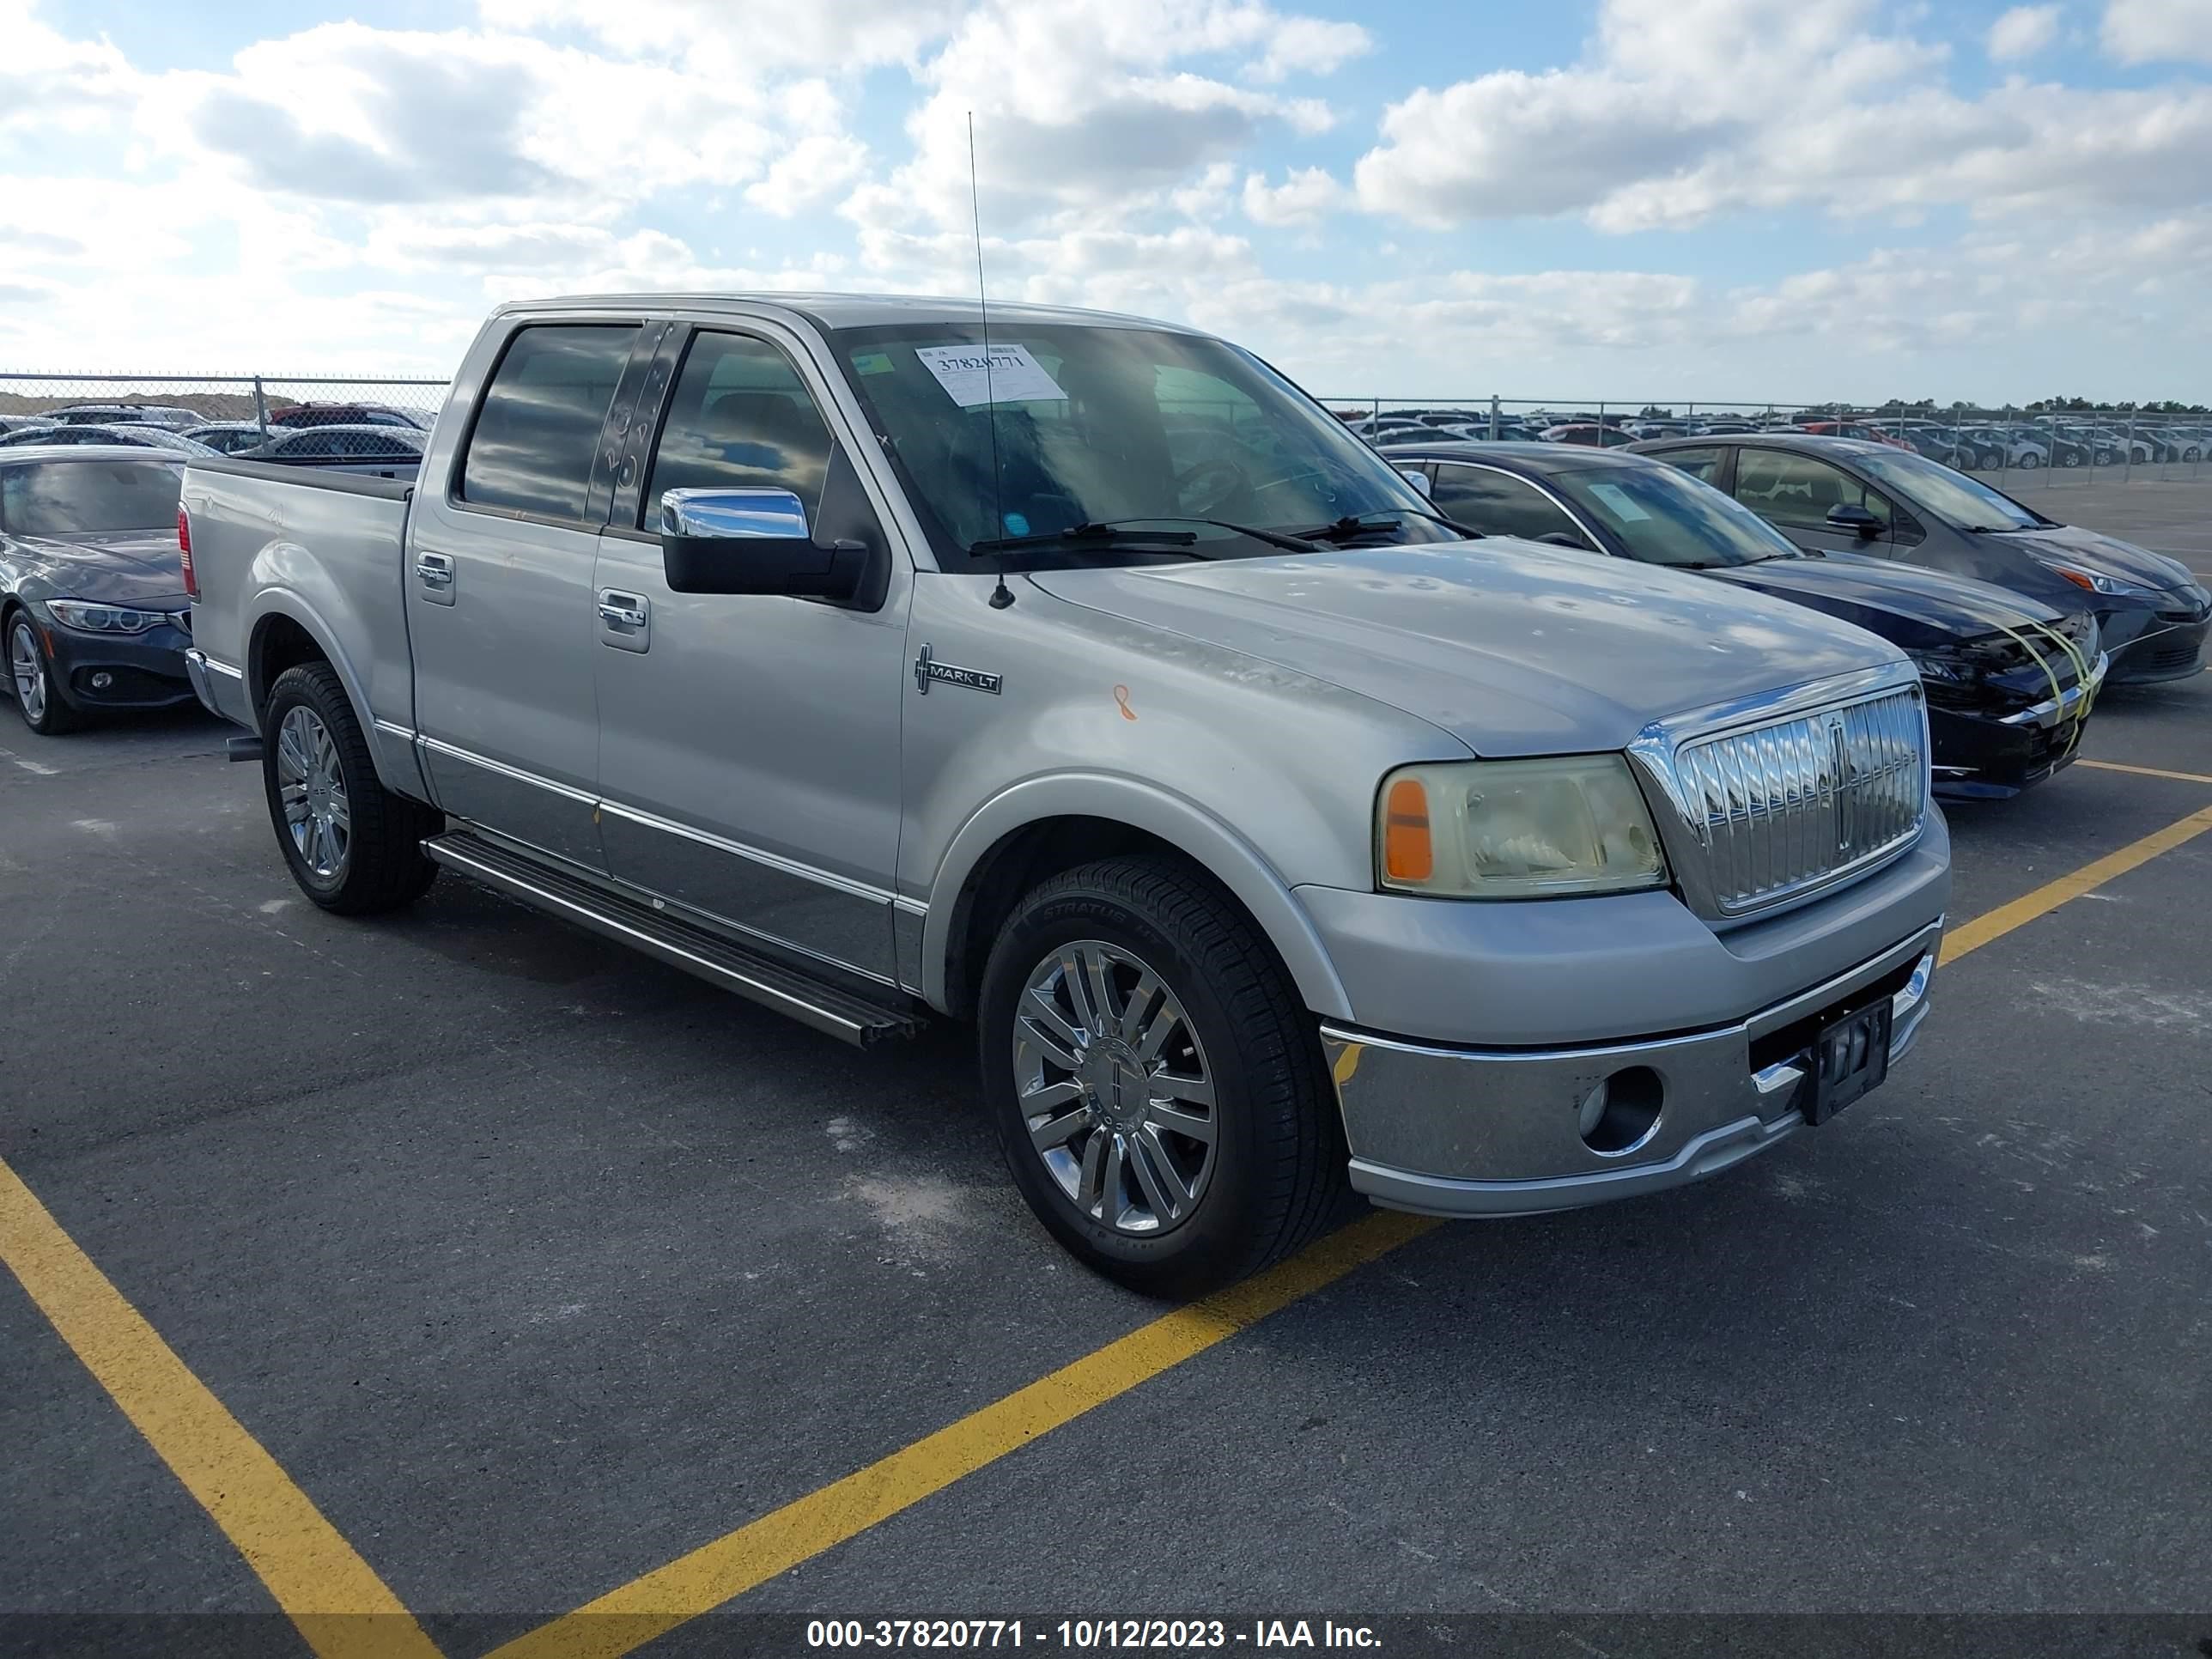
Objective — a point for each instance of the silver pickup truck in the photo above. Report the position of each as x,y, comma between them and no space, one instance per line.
1098,686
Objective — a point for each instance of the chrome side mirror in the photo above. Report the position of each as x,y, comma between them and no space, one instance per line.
777,513
753,541
1418,479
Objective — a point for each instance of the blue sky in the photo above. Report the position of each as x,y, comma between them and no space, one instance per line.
1712,199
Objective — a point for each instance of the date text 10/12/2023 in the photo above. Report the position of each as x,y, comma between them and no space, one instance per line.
1086,1635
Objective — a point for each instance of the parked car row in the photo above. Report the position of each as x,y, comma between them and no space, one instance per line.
1494,827
2025,444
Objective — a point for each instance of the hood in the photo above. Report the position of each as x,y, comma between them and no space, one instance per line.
120,566
1514,647
1918,610
2102,553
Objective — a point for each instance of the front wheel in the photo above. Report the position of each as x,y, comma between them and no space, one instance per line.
352,845
2029,461
1156,1082
31,678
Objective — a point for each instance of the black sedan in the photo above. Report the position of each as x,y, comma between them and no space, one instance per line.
2009,682
93,606
1832,493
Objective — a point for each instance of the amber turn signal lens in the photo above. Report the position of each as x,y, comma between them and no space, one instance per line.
1407,855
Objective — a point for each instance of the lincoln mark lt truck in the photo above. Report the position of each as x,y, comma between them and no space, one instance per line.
1079,677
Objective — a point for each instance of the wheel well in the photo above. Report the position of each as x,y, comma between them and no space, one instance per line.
1021,860
279,643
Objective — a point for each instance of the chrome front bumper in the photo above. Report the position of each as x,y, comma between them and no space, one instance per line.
1461,1132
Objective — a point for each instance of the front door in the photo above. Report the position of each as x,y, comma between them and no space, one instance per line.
499,594
1794,492
748,745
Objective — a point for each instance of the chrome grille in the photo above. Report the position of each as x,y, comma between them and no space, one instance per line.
1775,810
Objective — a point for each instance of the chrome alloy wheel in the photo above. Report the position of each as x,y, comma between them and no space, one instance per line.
1115,1087
317,814
28,671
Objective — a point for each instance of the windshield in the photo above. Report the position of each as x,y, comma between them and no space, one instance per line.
1663,516
1098,424
1932,487
89,498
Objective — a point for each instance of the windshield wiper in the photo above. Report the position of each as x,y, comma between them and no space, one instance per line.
1113,531
1089,534
1354,526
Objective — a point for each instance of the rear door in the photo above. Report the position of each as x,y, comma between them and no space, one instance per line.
1500,504
748,745
500,608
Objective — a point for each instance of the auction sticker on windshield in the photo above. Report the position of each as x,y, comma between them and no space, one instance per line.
1619,500
1008,375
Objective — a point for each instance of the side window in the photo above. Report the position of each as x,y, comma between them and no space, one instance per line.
539,420
1498,505
1701,463
1795,490
740,418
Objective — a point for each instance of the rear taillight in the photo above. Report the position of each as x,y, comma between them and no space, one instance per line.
184,553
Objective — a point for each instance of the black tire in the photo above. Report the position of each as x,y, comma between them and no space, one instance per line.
1277,1176
384,866
58,715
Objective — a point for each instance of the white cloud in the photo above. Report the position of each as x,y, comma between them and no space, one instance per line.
1818,110
49,81
1309,45
2022,32
762,34
2153,31
1300,199
1109,111
809,171
345,112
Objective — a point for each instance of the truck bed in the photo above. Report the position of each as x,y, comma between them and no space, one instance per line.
278,546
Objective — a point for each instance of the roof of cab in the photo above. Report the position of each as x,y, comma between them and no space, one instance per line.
11,454
833,311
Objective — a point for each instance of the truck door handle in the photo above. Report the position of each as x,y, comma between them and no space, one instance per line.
436,569
622,610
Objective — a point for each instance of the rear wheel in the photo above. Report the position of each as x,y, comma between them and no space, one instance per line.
31,681
2028,461
352,845
1156,1082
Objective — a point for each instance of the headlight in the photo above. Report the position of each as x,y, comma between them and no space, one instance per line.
1945,669
1525,829
95,619
2097,582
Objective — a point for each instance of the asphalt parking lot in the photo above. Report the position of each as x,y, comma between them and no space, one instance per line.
538,1268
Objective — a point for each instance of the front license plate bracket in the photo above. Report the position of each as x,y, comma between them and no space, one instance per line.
1850,1056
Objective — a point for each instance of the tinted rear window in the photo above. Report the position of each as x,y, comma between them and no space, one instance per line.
540,420
80,498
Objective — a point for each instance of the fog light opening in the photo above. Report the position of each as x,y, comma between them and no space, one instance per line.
102,680
1621,1112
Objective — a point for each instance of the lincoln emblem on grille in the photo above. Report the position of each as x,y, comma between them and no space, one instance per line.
1840,752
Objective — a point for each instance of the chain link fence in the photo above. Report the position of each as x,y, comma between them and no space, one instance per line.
2015,448
375,421
367,422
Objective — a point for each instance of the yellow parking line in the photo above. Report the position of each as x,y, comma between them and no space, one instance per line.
2148,771
341,1607
648,1607
1996,924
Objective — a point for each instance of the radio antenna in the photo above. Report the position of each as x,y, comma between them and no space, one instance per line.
1001,596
